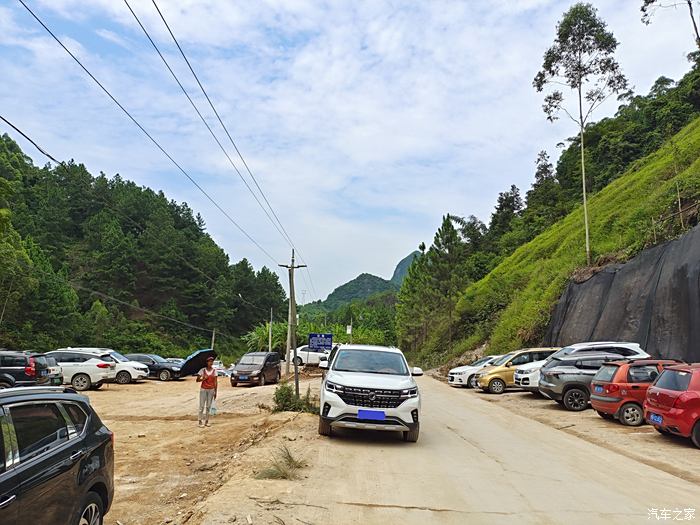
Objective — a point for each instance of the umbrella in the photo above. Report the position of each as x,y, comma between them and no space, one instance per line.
196,361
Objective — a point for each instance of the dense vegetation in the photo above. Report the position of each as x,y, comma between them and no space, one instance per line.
498,282
98,261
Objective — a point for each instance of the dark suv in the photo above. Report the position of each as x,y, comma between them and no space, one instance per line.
157,366
23,369
56,458
257,367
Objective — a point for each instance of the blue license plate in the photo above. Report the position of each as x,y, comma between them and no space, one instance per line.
598,388
374,415
242,378
656,418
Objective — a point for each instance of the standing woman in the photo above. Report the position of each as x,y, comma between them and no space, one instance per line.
206,376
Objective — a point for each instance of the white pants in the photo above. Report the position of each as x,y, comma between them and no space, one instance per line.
206,396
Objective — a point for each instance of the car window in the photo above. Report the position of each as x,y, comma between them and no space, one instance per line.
77,416
589,364
606,373
677,380
13,360
521,359
642,374
39,427
51,361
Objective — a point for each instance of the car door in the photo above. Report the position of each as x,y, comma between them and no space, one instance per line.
521,359
49,453
68,367
9,484
313,356
639,378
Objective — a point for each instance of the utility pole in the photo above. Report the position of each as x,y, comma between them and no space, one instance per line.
269,334
213,338
292,323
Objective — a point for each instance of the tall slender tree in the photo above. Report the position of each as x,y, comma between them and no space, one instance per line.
582,60
649,7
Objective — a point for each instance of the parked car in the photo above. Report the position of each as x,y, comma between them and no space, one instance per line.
84,370
23,369
257,367
127,371
58,461
55,372
309,356
619,388
221,370
527,376
464,376
157,366
501,374
370,387
175,360
567,379
672,404
630,350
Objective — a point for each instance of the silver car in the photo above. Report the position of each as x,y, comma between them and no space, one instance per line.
567,379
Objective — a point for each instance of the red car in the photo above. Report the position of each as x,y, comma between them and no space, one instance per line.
673,402
619,388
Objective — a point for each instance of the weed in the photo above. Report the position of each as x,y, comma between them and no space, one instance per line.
284,466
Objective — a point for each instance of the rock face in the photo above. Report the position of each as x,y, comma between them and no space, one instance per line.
654,300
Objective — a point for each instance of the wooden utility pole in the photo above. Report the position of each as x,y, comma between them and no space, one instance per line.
269,334
292,323
213,338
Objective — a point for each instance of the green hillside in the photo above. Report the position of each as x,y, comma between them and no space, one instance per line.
361,287
510,307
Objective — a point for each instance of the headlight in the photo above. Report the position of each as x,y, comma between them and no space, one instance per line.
255,373
457,373
176,369
411,392
332,387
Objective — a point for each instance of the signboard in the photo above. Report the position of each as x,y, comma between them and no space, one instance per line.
321,342
348,330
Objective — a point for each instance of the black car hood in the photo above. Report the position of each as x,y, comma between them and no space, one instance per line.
247,368
195,362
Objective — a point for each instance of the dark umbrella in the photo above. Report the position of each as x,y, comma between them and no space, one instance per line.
196,361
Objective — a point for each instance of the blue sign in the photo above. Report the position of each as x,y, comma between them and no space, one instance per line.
321,342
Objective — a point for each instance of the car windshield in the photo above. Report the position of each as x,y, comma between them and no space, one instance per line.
606,373
51,361
564,351
252,360
118,357
371,362
554,361
674,380
481,361
157,358
503,360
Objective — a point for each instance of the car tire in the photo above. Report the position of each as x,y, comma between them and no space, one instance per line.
324,427
91,510
234,383
298,361
411,436
164,375
497,386
262,381
604,415
575,399
695,435
81,382
631,415
123,378
471,381
96,386
4,385
278,377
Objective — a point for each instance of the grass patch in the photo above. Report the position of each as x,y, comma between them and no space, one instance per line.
286,401
284,465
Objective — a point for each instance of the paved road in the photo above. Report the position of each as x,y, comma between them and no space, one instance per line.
477,463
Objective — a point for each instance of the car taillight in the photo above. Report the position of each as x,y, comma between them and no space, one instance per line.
612,388
103,365
30,370
684,398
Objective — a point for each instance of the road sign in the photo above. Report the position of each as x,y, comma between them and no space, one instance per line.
320,341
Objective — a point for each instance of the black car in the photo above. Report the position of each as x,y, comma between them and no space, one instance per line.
257,367
56,458
157,366
23,369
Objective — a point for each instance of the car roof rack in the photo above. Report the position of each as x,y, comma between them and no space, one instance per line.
7,392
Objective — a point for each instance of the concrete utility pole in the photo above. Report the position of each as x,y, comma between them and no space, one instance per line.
269,334
213,338
292,323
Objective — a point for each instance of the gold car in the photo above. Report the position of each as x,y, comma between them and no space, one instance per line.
499,376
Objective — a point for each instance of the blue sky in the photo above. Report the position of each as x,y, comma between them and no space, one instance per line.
364,122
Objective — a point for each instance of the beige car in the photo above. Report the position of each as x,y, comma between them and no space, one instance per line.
499,376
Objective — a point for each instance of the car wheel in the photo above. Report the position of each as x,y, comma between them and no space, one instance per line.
164,375
297,361
412,435
96,386
471,381
631,415
81,382
497,386
123,378
278,376
91,511
4,385
262,380
324,427
575,399
234,383
604,415
695,435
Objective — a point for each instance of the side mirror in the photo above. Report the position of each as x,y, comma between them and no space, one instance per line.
323,364
417,371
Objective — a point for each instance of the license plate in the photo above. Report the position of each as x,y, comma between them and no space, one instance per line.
242,378
656,418
374,415
598,388
44,372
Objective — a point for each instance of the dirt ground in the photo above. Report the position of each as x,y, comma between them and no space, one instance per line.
167,470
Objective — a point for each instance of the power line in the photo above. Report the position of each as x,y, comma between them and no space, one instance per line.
26,137
150,137
233,143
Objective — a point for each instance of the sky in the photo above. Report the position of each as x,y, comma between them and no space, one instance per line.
364,122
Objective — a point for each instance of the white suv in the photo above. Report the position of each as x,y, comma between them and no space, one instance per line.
127,371
370,387
628,350
84,370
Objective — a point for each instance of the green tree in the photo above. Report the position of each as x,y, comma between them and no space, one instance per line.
649,7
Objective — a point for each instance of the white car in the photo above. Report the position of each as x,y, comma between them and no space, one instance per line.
628,350
127,371
83,370
466,375
309,356
370,387
527,376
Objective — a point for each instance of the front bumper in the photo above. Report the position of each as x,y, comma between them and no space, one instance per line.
404,417
393,424
249,379
457,380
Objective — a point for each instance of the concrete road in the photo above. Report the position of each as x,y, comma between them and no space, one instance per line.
475,462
